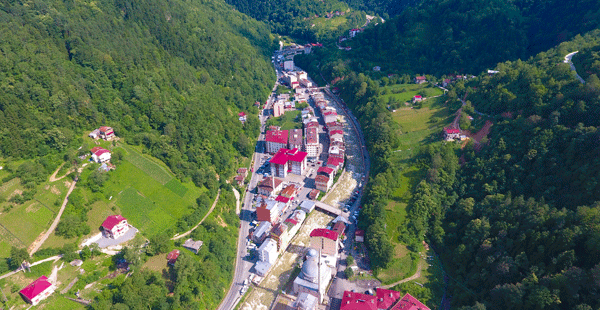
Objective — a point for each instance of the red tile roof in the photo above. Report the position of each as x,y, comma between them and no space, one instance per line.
451,130
329,113
386,298
36,287
277,136
419,78
312,135
358,301
326,170
241,114
335,161
418,97
285,155
409,303
105,129
291,220
312,125
339,228
282,199
267,182
333,132
325,233
313,193
98,151
172,256
359,232
321,179
112,221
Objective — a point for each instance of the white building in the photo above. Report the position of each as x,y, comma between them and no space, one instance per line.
100,155
314,277
115,226
38,290
311,142
267,252
276,140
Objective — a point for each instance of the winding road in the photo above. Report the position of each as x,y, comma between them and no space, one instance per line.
202,220
568,60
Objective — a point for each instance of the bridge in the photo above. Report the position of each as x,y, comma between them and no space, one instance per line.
330,209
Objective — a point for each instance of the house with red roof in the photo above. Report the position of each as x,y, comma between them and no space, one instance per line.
339,227
358,301
115,226
330,116
325,241
383,300
276,140
420,79
100,155
335,163
106,133
326,171
336,135
38,290
359,235
288,161
353,32
323,183
295,139
417,98
451,133
242,117
172,257
269,186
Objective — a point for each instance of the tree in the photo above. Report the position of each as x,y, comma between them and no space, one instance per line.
349,260
17,256
348,272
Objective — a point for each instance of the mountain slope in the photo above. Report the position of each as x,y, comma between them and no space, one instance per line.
171,76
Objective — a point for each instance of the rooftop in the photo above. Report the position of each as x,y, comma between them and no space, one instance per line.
285,155
112,220
325,233
35,287
358,301
312,136
277,136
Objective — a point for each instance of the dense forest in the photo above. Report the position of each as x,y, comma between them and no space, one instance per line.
461,37
297,18
171,76
515,221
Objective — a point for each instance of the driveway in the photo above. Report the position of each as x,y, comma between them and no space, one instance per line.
104,242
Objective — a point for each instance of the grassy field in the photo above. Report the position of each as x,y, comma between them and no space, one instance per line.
286,121
406,92
147,165
403,266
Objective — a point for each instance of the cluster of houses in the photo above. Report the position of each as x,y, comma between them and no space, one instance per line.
99,154
104,132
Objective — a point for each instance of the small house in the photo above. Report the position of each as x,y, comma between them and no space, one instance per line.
242,117
359,235
451,133
114,226
94,134
172,257
307,206
100,155
417,98
192,245
38,290
420,79
106,133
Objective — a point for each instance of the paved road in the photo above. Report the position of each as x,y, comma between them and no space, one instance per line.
568,59
202,220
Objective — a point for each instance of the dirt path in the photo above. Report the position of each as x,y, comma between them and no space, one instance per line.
568,58
413,277
202,220
42,238
53,177
237,200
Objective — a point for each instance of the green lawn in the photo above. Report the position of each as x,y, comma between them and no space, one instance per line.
286,121
400,268
406,92
153,169
26,222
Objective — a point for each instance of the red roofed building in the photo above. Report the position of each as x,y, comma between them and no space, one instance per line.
420,79
288,161
330,116
323,183
106,132
336,135
276,140
38,290
269,186
335,162
242,117
115,226
325,240
417,98
339,228
295,139
451,133
172,257
326,171
331,126
408,302
358,301
100,155
359,235
386,298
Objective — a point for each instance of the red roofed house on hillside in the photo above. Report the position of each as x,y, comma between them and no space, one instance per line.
100,155
242,117
172,257
38,290
417,98
358,301
324,240
451,134
288,161
114,226
106,133
420,79
276,140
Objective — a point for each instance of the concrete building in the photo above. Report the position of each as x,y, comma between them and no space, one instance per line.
262,232
278,108
305,301
276,140
323,183
267,252
100,155
451,134
307,206
38,290
314,277
288,161
192,245
327,242
269,211
330,116
288,65
311,142
295,139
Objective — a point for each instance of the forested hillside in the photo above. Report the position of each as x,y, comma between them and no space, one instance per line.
464,37
516,223
169,75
